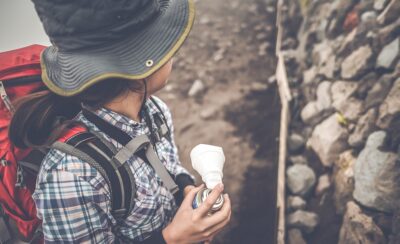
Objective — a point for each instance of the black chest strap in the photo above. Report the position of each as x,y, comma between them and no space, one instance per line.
133,146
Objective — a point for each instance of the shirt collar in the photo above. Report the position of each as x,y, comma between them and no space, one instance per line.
121,121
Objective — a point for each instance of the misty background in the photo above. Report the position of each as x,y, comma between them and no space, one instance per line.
19,25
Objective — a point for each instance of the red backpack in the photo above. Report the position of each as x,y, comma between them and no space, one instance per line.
19,76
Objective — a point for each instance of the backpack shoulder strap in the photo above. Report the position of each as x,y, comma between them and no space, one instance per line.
90,148
161,121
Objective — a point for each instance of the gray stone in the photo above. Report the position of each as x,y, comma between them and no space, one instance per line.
348,41
328,67
343,180
324,59
379,91
272,79
262,49
321,52
208,113
219,54
385,34
295,142
197,88
298,159
342,8
364,127
356,63
377,175
314,111
379,4
295,203
324,183
341,92
352,109
300,179
391,13
304,220
328,140
295,237
310,74
390,108
359,228
388,54
369,16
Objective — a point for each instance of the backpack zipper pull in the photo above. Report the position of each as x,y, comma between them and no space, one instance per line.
5,98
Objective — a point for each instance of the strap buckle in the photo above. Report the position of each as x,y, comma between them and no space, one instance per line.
20,177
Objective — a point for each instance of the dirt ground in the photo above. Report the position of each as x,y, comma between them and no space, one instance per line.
231,50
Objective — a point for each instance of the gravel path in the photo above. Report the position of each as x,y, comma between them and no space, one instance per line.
231,51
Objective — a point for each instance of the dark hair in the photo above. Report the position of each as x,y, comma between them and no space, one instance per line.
42,117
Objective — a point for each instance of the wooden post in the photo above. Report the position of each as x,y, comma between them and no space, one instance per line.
285,96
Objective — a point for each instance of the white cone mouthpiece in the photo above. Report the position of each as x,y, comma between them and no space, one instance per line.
208,161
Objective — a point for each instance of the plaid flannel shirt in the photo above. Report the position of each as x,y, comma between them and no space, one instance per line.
73,199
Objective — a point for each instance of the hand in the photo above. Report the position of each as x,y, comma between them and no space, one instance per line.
187,189
196,225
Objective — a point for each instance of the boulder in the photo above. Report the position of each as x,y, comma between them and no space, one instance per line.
295,203
314,111
341,92
357,62
364,127
390,108
300,179
328,67
304,220
295,142
391,13
310,74
328,140
359,228
379,91
369,16
380,4
298,159
377,175
295,237
341,10
388,55
385,34
324,183
352,109
343,180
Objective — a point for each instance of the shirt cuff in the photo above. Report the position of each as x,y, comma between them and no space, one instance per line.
183,180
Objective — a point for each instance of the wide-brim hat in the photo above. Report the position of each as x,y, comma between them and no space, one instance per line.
80,58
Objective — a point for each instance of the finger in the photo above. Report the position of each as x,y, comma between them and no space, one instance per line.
220,215
218,228
205,207
210,233
187,201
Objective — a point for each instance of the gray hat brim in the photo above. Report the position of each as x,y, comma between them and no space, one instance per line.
137,56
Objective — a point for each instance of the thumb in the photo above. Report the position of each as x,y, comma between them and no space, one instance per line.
187,202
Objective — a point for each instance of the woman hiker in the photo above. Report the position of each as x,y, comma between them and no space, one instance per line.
109,57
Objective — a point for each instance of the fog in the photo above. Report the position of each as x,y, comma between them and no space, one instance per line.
19,25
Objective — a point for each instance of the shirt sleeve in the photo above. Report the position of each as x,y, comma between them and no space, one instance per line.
71,208
182,176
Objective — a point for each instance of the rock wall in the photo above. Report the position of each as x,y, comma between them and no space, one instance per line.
342,59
